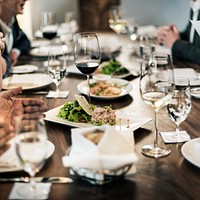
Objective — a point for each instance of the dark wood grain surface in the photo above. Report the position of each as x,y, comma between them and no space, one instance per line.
171,177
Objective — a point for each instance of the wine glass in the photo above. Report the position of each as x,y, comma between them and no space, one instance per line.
156,89
180,105
57,70
31,149
49,26
87,55
116,22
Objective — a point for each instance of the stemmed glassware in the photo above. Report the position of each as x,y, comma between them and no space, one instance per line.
49,26
180,105
116,22
87,55
31,149
57,71
156,89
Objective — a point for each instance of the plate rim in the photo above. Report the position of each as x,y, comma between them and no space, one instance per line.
128,89
197,96
4,83
185,154
18,168
27,71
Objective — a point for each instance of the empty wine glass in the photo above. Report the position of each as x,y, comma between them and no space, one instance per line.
31,149
57,71
156,89
180,105
49,25
116,22
87,55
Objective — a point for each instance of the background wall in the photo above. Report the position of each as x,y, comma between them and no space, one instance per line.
144,12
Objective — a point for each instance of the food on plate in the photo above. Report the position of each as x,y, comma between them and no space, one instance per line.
103,88
112,67
81,111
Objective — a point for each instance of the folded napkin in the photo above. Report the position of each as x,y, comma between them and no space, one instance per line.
9,158
42,188
113,150
171,137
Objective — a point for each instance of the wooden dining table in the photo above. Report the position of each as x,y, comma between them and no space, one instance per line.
170,177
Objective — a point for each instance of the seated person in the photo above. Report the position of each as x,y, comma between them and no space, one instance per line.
16,41
2,60
184,45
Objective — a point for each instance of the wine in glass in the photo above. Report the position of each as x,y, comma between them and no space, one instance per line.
49,26
87,55
156,89
180,105
57,71
31,149
116,22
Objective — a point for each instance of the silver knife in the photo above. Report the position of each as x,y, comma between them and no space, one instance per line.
38,179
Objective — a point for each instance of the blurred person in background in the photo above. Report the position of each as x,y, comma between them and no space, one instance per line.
16,41
184,45
2,60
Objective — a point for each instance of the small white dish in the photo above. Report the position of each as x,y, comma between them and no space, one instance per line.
11,153
126,88
190,150
22,69
195,92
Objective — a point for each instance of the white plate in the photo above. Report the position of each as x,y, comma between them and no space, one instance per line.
134,122
44,50
11,153
126,88
195,92
39,43
189,73
22,69
190,151
27,81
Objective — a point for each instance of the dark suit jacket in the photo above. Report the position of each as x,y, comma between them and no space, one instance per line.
20,41
185,50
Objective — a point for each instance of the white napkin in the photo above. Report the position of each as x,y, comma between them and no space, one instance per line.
40,186
169,137
115,149
9,158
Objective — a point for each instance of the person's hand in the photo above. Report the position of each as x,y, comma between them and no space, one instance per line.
6,133
167,35
11,107
13,57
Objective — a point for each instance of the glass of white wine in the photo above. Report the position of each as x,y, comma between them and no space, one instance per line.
180,105
156,89
116,22
57,71
31,149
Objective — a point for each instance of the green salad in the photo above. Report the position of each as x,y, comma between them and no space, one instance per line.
72,111
112,67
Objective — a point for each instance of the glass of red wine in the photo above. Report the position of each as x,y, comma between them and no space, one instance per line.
49,26
87,55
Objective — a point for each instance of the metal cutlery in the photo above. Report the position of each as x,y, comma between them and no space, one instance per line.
38,179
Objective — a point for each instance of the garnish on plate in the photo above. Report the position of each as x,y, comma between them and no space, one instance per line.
81,111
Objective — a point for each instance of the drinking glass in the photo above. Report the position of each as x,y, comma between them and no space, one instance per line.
87,55
49,26
180,105
116,22
57,71
31,149
156,88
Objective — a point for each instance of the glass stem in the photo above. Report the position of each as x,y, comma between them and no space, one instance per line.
156,131
57,88
177,129
88,89
33,186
